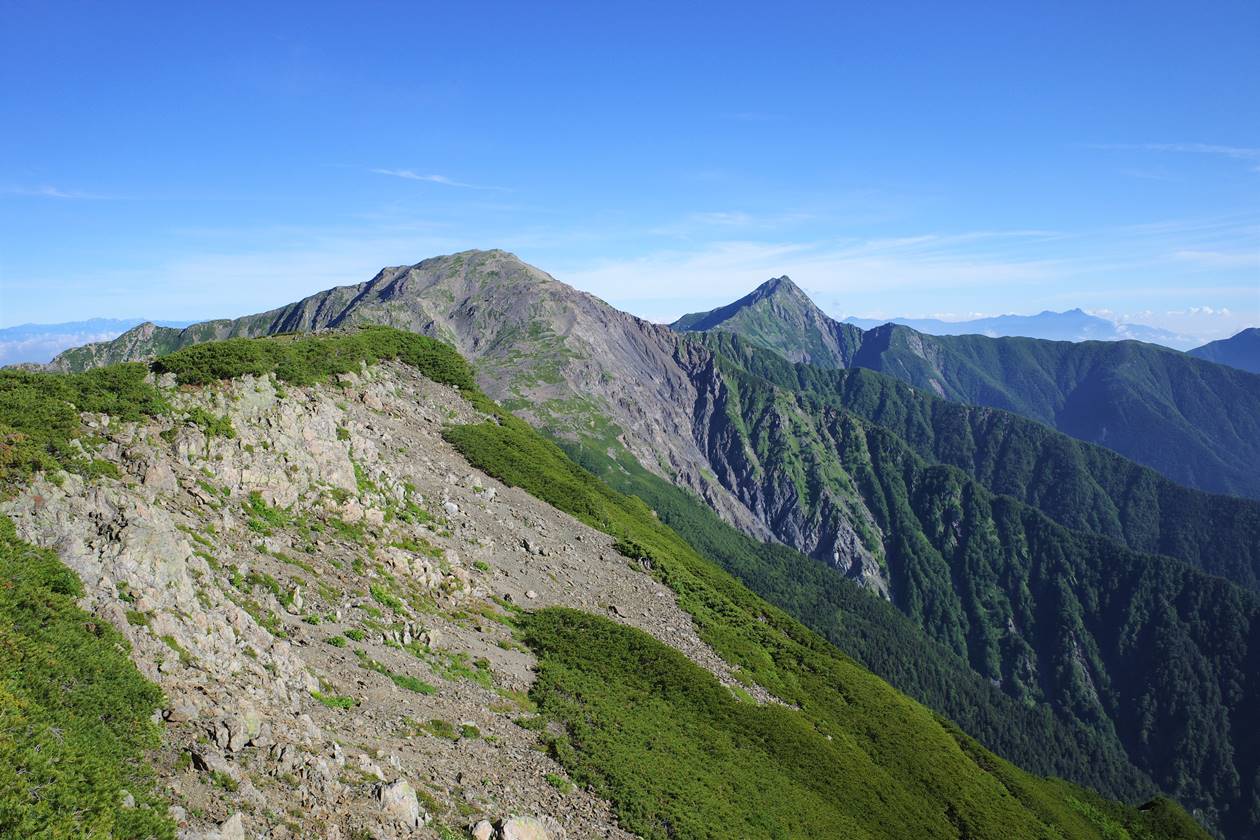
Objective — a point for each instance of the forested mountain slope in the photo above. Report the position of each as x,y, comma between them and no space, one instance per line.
1197,423
1081,486
1088,625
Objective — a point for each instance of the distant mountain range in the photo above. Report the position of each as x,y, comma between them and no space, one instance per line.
1241,351
1198,424
1072,325
38,343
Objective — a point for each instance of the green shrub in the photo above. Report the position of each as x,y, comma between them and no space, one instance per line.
212,425
439,728
560,783
39,416
385,598
335,701
305,360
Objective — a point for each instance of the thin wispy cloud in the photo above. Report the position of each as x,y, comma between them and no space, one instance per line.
409,175
752,116
1248,154
50,191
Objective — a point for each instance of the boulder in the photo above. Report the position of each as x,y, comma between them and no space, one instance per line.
233,828
523,828
398,800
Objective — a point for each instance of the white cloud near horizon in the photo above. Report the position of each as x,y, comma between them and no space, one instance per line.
994,271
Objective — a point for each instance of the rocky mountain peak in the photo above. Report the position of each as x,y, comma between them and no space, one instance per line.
779,296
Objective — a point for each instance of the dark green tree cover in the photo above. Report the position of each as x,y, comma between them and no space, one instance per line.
681,756
1073,619
1080,485
74,711
1197,423
1241,350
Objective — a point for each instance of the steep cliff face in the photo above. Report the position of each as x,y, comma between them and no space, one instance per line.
767,453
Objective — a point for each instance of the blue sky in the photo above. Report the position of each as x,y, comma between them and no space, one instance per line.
186,161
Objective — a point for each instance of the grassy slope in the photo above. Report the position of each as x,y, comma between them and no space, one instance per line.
625,701
74,711
871,630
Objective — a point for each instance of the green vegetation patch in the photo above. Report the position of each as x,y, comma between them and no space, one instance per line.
39,415
335,701
305,360
75,714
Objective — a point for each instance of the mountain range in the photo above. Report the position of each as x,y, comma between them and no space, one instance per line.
323,585
1079,613
1197,423
1070,325
37,343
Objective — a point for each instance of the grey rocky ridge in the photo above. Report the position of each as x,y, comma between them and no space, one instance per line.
572,365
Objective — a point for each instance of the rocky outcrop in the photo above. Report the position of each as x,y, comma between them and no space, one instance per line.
318,593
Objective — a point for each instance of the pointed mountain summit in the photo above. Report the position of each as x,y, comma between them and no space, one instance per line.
780,316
